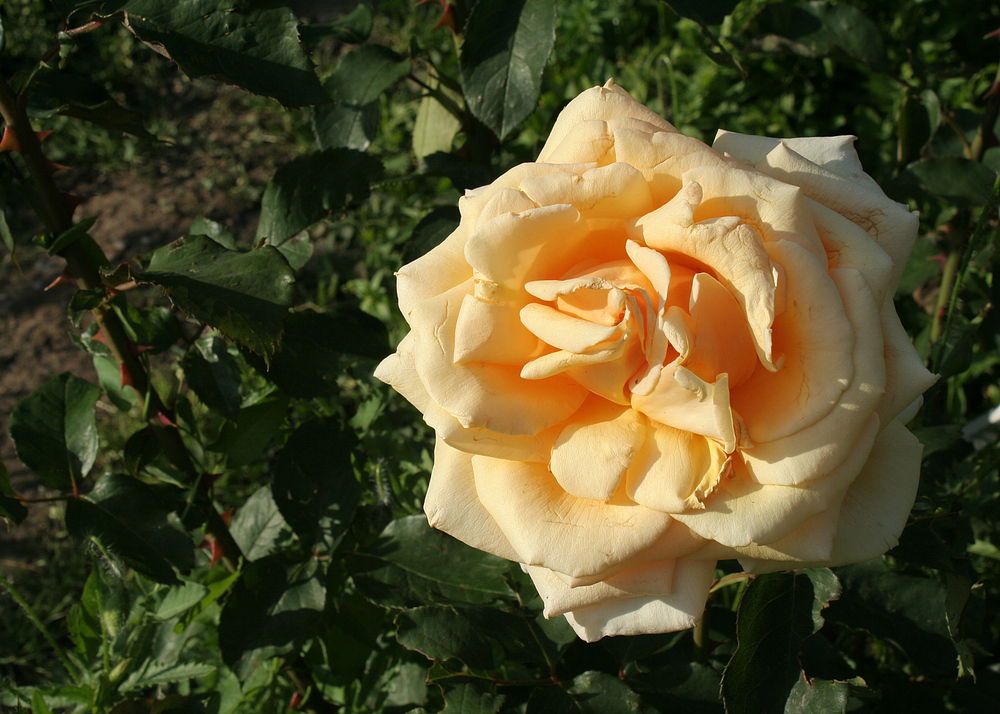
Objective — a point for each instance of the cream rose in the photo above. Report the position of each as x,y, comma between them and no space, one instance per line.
641,354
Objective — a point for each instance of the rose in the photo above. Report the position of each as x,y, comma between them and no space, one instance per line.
641,355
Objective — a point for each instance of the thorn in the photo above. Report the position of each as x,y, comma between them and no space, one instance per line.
988,35
51,166
295,702
164,421
9,141
217,552
72,201
64,279
127,380
227,516
447,14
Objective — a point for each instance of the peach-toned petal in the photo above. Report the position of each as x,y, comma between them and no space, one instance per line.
494,397
683,400
563,331
876,505
613,191
453,506
722,341
906,376
813,451
433,273
654,578
680,610
675,470
594,451
815,338
515,248
587,141
663,158
731,249
551,528
742,512
828,171
602,104
849,246
399,371
488,332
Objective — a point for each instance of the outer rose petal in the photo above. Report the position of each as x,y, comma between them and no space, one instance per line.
681,609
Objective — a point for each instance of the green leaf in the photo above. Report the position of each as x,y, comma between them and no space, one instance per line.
819,29
461,172
590,693
214,230
314,345
214,376
253,44
38,704
704,12
54,431
256,424
466,699
777,612
73,95
109,375
361,78
257,525
125,516
955,179
817,695
244,295
906,610
312,187
156,327
314,484
436,125
179,599
11,509
507,44
76,232
352,28
140,450
412,564
270,610
158,674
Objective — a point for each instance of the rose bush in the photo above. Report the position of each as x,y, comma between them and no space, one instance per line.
641,354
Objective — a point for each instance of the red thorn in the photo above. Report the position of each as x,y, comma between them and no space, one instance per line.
227,516
72,201
64,279
164,421
127,380
447,18
51,166
940,259
9,141
995,33
295,702
217,552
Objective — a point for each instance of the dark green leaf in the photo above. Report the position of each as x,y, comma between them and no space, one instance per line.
77,232
253,45
140,450
128,519
467,699
109,375
817,695
245,295
441,633
820,29
257,525
255,426
54,431
956,179
312,187
312,350
314,484
461,172
179,599
214,376
777,612
704,12
269,611
913,128
991,159
590,693
412,564
507,44
353,28
216,231
11,509
355,88
155,327
908,610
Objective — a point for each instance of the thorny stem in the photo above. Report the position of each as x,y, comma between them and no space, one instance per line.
57,215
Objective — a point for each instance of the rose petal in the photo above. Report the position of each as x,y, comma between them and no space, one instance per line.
453,506
655,578
682,609
815,338
683,400
906,376
742,512
600,103
614,191
483,395
551,528
876,506
674,470
488,332
722,342
814,451
594,451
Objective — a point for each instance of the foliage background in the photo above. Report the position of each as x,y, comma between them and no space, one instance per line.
344,600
